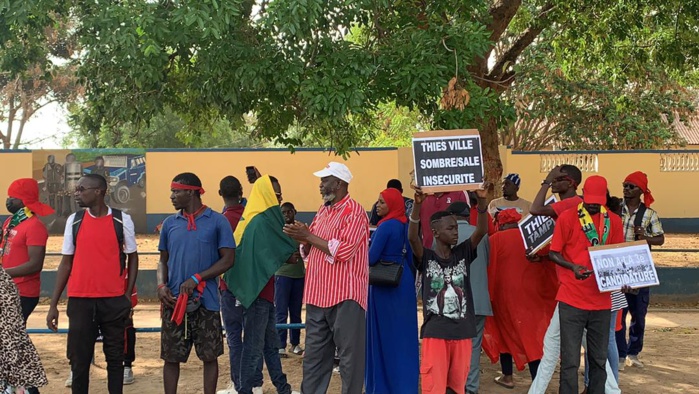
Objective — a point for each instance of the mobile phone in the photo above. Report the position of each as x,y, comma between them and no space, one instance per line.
252,173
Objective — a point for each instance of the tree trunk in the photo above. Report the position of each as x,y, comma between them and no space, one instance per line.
18,138
7,137
492,165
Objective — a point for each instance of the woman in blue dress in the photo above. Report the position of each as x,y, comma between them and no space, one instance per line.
392,352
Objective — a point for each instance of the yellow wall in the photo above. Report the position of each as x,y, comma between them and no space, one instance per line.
14,165
673,191
370,169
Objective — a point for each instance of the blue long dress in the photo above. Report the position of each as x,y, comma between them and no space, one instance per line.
392,349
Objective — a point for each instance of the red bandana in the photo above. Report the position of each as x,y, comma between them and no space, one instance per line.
641,180
182,186
191,217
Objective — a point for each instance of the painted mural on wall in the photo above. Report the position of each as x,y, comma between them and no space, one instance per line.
58,172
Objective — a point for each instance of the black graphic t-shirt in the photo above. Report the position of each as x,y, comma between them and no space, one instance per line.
447,299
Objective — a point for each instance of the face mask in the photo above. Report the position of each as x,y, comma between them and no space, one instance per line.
13,208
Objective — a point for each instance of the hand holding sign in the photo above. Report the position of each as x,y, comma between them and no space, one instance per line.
419,196
482,192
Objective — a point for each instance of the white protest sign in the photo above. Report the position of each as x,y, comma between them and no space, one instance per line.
629,264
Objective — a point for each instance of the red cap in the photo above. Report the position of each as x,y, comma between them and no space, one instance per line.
595,190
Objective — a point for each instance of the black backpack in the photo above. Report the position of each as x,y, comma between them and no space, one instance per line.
638,219
118,229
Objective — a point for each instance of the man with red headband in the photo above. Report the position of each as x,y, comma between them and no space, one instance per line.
641,222
23,241
580,304
196,247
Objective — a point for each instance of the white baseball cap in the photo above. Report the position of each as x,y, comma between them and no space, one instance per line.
338,170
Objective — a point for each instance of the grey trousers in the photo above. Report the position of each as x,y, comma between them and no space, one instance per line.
473,382
342,326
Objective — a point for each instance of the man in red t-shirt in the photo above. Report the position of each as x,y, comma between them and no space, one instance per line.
581,305
23,241
95,267
564,181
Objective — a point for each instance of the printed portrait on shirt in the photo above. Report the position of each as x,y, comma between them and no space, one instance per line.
446,290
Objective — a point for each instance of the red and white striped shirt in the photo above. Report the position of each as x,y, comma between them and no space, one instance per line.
343,275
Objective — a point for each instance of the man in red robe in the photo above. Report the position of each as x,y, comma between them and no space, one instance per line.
523,296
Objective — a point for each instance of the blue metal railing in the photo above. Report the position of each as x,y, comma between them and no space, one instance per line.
292,326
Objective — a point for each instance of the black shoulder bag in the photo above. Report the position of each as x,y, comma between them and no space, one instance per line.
387,273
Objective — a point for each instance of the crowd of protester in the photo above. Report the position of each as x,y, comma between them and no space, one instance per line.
455,256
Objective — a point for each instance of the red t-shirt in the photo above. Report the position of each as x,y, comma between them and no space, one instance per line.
96,265
233,214
572,243
30,232
433,204
561,206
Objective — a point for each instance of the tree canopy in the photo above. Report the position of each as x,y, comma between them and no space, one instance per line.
321,69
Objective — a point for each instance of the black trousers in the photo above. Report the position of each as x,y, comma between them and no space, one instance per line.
130,346
573,322
507,367
86,317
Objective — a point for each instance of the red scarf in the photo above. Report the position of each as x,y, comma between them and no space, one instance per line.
396,205
191,217
641,181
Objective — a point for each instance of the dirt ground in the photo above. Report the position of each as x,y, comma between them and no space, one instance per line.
149,243
667,371
669,355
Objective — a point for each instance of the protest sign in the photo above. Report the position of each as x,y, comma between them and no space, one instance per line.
629,264
537,230
448,160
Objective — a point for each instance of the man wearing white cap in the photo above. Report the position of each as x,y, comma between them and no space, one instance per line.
337,279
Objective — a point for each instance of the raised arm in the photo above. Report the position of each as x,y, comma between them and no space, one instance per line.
539,206
482,223
413,228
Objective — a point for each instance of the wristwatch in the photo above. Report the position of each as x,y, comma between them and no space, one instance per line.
545,182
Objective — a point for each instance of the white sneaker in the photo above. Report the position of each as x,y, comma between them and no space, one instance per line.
336,370
128,376
295,392
282,353
69,381
622,362
633,361
257,390
229,390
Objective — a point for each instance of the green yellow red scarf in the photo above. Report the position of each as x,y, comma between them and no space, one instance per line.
588,225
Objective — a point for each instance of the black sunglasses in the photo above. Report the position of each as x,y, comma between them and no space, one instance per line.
629,186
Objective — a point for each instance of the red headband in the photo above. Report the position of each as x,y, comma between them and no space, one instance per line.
181,186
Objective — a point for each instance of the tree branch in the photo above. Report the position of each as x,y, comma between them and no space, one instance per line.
510,56
501,13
